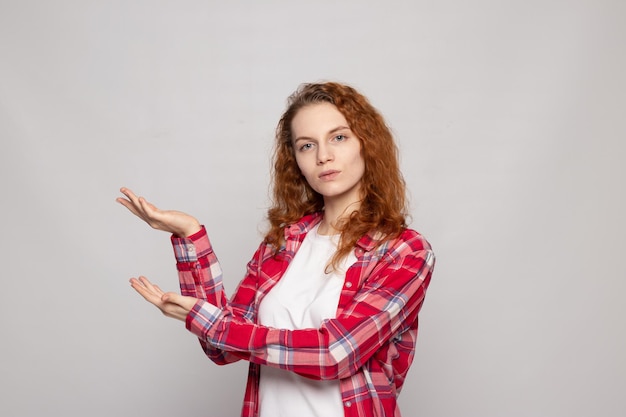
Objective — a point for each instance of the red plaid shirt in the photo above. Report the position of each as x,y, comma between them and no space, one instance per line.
370,344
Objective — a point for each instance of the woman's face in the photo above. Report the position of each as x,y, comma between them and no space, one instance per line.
328,153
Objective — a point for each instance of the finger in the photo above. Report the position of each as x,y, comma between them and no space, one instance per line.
130,206
168,308
128,193
136,201
148,285
130,196
146,293
150,210
159,291
139,286
131,202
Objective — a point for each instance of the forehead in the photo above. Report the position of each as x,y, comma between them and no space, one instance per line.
317,119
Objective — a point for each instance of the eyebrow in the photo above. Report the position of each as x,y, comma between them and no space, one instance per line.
330,132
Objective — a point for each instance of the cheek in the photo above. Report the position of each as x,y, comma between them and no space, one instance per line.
295,158
300,164
358,160
357,154
361,164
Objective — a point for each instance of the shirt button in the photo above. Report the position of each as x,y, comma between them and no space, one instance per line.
191,249
348,285
348,403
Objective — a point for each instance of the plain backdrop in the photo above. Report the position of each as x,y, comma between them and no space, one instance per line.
510,120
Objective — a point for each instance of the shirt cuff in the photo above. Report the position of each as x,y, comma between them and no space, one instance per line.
201,318
189,249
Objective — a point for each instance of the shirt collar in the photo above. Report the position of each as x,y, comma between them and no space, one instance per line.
305,224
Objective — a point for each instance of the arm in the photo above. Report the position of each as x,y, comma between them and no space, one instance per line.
391,297
199,271
200,276
388,301
179,225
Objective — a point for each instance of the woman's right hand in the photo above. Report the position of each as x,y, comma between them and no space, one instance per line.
176,222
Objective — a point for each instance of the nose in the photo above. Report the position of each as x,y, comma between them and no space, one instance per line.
324,154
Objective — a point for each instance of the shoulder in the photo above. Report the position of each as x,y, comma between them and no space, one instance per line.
302,226
413,239
409,243
412,253
406,239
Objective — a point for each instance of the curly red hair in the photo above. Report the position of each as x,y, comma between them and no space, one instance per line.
383,193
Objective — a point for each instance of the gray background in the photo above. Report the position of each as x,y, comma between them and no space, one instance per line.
509,116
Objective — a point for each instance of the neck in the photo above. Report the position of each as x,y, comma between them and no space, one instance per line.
334,213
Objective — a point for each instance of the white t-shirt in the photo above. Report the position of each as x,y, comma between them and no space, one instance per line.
303,298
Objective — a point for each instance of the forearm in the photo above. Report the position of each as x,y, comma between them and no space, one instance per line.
384,308
200,276
330,352
199,271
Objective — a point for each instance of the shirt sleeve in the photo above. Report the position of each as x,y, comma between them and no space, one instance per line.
389,298
200,276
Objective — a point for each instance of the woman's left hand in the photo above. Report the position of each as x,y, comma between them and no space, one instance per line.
171,304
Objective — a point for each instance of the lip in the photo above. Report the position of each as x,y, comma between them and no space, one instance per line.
329,175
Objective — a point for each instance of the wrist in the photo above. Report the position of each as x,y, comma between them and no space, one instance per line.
192,229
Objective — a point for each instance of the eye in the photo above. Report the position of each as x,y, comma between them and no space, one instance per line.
339,138
305,147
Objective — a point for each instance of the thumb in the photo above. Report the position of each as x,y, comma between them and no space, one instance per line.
170,297
187,303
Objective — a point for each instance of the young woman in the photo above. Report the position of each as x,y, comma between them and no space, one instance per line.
327,314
